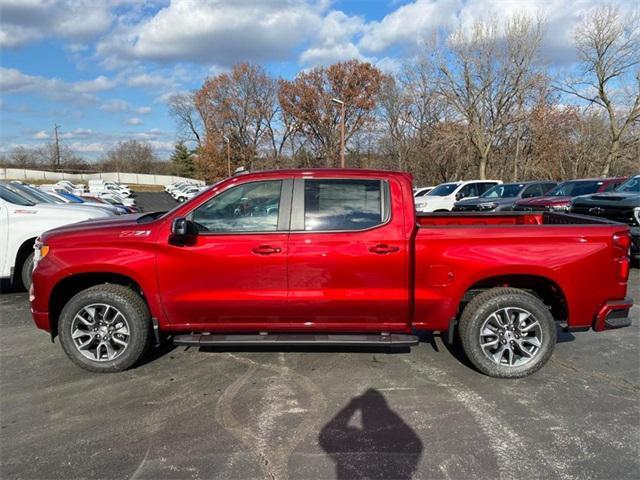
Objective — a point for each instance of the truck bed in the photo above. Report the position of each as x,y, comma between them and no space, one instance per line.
456,252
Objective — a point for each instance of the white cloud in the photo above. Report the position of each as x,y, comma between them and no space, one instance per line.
213,31
143,110
146,80
24,21
115,105
333,41
410,24
13,80
133,121
41,135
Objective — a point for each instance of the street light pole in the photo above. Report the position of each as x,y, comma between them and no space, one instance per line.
341,103
226,139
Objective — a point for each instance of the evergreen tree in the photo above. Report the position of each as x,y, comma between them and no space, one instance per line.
182,160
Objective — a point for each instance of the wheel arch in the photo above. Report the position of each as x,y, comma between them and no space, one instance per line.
25,249
541,286
69,286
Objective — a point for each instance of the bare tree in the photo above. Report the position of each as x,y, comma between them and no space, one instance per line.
608,44
485,76
183,109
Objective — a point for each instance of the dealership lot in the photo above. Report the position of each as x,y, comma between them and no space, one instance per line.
310,413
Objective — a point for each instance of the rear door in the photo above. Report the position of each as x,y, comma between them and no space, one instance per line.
348,268
232,274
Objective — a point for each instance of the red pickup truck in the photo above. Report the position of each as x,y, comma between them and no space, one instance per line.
317,257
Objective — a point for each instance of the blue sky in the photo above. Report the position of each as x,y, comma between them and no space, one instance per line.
102,70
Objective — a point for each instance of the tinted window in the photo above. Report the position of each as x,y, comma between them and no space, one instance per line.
12,197
443,190
503,191
342,204
631,185
485,186
534,190
611,186
251,207
547,186
470,190
573,189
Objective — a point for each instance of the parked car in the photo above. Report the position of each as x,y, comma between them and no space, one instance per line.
622,205
115,198
63,198
72,187
101,186
503,196
188,193
21,221
180,190
421,191
111,200
444,196
559,198
343,260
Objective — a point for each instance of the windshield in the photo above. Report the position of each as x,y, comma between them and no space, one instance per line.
575,188
504,191
34,194
631,185
13,197
443,190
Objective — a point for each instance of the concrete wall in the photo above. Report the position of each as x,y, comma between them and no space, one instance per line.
135,178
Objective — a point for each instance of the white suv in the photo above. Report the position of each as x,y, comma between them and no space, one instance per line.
442,198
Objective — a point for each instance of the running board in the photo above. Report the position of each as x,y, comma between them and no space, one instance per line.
307,339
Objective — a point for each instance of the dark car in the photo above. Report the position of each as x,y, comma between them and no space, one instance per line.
503,196
559,198
621,205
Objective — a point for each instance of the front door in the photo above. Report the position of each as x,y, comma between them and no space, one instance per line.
232,274
348,268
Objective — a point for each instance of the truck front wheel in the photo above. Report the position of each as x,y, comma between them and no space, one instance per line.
105,328
507,332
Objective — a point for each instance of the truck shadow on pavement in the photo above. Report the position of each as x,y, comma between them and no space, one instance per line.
366,439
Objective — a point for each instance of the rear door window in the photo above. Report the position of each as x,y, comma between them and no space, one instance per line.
340,204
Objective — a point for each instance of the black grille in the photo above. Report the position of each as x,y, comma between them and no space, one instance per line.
617,214
532,208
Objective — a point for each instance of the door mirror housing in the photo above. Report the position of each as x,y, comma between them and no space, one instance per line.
179,227
459,196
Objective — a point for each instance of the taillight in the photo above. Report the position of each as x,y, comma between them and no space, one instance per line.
622,241
624,270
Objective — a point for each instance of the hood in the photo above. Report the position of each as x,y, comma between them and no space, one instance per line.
88,208
68,211
118,223
544,201
618,199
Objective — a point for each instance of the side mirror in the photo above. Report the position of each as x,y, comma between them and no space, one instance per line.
179,227
459,196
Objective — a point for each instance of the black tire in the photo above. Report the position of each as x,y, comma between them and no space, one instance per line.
481,307
26,271
132,307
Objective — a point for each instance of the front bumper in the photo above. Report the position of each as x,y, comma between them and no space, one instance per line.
613,314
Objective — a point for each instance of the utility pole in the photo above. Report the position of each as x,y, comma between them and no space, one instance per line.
341,103
56,152
226,139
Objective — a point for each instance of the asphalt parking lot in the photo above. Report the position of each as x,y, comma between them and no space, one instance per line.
294,413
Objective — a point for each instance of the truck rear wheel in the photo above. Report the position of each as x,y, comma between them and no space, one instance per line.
105,328
507,333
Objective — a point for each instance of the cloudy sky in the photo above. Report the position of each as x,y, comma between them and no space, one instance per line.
102,69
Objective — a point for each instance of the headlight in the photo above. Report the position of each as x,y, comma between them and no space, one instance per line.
636,213
487,206
560,208
40,250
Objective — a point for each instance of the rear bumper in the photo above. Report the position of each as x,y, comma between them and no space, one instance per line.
613,314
